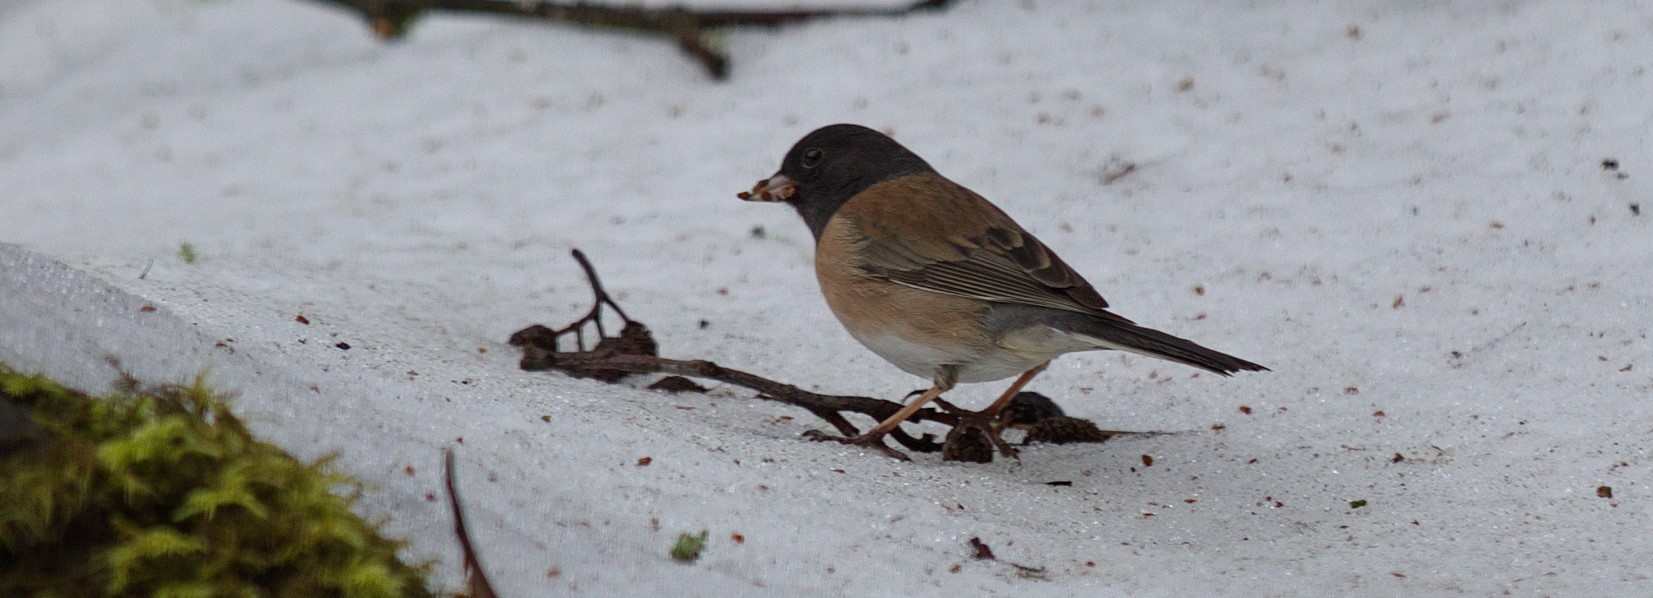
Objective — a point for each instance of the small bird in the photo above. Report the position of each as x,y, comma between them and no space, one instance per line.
940,282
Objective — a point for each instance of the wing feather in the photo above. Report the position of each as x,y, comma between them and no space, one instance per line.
956,242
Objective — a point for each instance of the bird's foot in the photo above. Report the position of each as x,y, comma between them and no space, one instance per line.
869,441
972,426
998,441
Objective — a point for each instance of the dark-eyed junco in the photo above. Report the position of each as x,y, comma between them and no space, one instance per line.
940,282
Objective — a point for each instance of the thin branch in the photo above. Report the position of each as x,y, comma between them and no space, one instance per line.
390,19
599,294
549,339
475,578
634,351
827,407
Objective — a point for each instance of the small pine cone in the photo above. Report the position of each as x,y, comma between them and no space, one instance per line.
969,444
535,336
634,339
1028,408
1063,430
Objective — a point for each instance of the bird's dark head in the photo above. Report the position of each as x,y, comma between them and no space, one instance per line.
832,164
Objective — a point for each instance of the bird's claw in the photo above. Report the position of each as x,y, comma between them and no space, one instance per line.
990,425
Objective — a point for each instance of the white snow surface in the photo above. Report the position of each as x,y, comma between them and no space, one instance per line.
1401,207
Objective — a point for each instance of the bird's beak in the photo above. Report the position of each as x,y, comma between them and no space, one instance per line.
776,188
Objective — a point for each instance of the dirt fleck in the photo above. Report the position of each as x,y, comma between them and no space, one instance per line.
1114,172
982,551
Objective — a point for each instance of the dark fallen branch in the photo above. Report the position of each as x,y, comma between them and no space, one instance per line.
633,351
825,407
390,19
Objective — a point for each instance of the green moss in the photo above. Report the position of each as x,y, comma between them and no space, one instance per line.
164,492
688,547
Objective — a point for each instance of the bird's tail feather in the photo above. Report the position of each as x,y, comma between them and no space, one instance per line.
1153,343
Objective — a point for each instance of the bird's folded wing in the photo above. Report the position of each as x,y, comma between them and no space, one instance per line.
956,242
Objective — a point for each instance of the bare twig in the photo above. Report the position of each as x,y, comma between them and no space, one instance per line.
826,407
548,339
1493,342
634,351
390,19
599,299
476,579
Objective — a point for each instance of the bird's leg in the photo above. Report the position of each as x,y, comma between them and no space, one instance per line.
994,425
987,420
892,421
992,411
874,438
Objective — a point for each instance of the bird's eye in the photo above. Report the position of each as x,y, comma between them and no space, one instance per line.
812,157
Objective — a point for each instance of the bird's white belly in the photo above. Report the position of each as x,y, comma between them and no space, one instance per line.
973,365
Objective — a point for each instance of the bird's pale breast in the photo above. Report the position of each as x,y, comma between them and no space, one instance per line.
919,331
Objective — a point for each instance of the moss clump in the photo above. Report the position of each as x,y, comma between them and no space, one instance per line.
164,492
688,547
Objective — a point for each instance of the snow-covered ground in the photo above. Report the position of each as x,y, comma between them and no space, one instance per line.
1408,210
